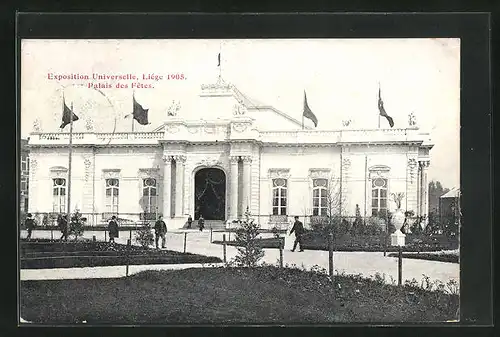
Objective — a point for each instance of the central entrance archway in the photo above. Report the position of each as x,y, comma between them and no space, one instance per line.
210,194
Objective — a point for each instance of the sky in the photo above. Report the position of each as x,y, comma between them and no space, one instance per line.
341,78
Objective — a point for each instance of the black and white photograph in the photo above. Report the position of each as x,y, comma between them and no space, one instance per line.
239,181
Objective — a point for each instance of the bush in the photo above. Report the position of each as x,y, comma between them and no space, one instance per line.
249,251
76,226
276,232
144,235
330,224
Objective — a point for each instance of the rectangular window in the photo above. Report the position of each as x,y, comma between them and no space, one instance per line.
279,196
59,195
112,195
320,200
379,197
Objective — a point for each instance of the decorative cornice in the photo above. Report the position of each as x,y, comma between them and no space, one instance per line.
208,162
424,163
180,158
246,159
240,127
316,173
148,173
111,173
167,159
234,159
274,173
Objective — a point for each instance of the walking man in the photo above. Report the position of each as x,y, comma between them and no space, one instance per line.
29,223
113,229
298,228
160,231
62,222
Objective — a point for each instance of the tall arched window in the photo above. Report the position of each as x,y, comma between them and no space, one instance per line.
320,187
59,195
279,196
112,192
379,196
149,195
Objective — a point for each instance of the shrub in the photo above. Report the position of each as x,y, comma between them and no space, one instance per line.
330,224
144,235
276,232
76,226
249,252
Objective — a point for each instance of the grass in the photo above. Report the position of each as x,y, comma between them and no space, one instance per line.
50,254
231,295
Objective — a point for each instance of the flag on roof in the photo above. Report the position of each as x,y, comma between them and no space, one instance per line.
308,113
382,111
140,114
67,115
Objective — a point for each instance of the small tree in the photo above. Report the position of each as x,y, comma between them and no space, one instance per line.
76,226
249,253
144,235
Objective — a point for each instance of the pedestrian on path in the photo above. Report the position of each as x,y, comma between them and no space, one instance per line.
190,222
201,223
62,222
29,223
160,231
298,228
113,230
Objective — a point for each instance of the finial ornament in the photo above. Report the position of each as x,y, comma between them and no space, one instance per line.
37,126
346,122
412,119
173,108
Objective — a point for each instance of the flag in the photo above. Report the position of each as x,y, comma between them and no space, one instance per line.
219,60
308,113
67,115
140,114
382,110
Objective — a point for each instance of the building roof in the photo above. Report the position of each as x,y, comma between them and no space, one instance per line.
453,193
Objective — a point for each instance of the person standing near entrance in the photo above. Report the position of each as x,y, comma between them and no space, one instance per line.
160,231
29,223
190,222
113,229
298,228
201,223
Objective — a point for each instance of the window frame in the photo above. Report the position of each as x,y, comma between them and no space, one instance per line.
279,207
59,201
319,208
109,204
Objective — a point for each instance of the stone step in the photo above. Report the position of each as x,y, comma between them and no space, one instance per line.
214,224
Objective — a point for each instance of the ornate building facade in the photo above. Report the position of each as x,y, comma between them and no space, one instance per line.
227,155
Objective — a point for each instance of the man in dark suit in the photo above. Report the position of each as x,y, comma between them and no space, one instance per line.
29,223
160,231
298,228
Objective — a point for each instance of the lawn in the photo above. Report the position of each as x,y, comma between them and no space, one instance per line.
230,295
363,243
41,254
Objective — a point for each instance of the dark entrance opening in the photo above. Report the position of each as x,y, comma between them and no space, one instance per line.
210,194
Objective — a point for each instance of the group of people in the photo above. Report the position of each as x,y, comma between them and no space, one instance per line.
62,223
201,223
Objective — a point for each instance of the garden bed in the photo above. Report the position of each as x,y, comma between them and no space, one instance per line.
231,295
42,254
363,243
452,258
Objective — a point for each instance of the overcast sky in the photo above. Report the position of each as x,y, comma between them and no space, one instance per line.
341,78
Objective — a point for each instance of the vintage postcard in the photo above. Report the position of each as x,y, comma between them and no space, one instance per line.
269,181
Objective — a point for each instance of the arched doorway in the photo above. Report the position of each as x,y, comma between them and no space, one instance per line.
210,194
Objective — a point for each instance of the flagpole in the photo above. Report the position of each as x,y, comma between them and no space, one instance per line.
220,61
304,105
133,100
377,104
366,182
69,162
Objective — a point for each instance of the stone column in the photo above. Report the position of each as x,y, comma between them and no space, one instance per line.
167,185
247,174
425,190
233,204
179,183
